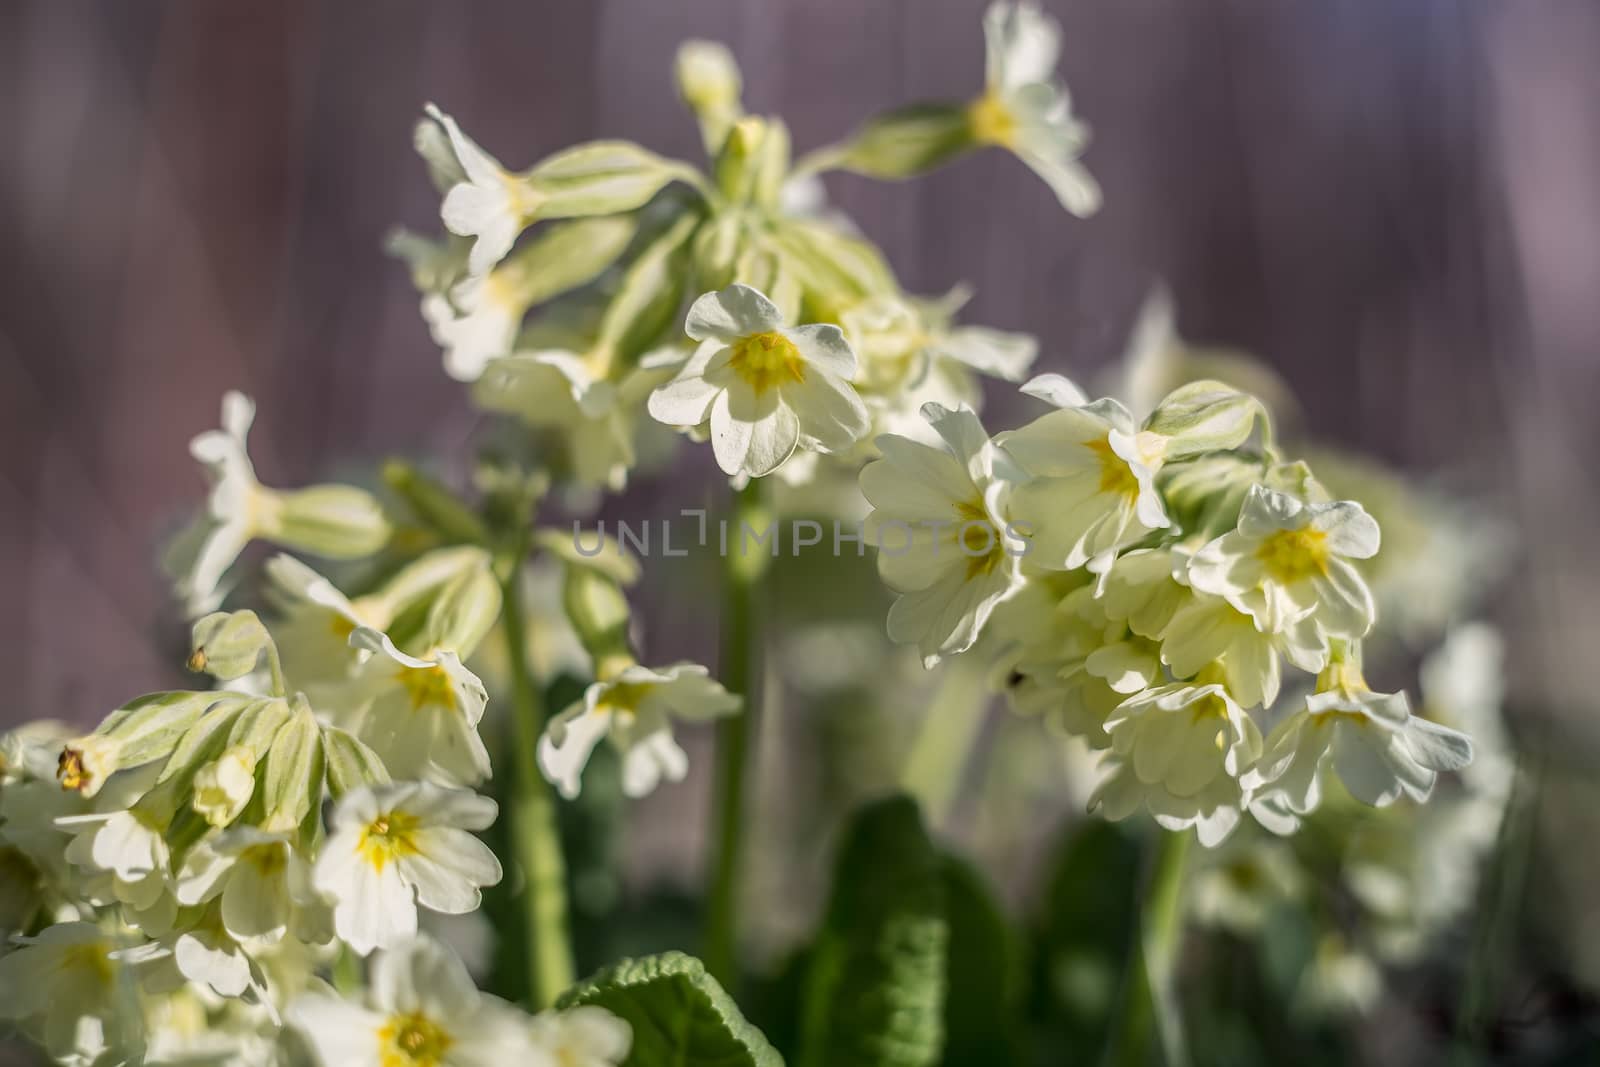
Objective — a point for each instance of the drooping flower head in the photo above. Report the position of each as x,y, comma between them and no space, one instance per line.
1025,109
634,708
941,521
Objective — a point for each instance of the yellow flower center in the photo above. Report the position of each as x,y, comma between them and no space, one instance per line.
91,960
1116,477
268,860
389,837
767,360
430,687
624,698
992,122
980,541
413,1040
1290,555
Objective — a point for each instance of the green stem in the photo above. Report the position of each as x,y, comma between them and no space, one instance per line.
536,838
740,672
1149,998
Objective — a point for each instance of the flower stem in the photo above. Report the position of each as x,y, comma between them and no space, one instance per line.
743,640
535,835
1149,999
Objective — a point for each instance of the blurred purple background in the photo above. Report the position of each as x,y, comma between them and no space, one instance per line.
1396,205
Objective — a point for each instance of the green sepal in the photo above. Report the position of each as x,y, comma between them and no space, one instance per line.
600,178
350,763
909,141
649,300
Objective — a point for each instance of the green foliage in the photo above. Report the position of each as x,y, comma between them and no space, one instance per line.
1089,911
875,993
678,1012
984,973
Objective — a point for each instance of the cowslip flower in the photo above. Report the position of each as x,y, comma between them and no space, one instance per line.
315,621
1183,752
420,1009
1289,558
1091,478
596,418
1210,632
765,388
67,987
259,879
482,199
208,548
634,709
584,1036
420,715
946,543
1376,746
125,856
478,321
1025,109
392,847
336,521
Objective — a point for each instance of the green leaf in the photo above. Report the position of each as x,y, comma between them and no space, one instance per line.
679,1014
1084,935
983,962
875,993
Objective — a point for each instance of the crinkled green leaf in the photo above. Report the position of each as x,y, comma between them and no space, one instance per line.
875,993
678,1012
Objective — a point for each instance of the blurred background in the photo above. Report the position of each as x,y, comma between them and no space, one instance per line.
1395,206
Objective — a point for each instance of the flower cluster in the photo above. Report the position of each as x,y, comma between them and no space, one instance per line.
252,871
1145,583
575,329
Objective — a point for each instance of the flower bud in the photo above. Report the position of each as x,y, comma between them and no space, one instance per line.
709,82
1205,416
137,733
754,161
336,521
228,645
224,786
